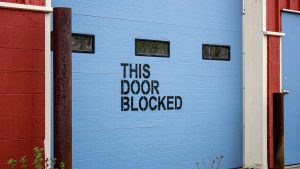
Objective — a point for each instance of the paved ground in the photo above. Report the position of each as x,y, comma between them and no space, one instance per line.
293,167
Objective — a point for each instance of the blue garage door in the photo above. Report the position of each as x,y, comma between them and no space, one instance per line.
291,82
194,109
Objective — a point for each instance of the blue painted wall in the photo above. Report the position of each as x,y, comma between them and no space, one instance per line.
210,121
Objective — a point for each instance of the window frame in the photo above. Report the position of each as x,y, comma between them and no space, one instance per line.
216,45
152,55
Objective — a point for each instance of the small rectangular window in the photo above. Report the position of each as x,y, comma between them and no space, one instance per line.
83,43
215,52
154,48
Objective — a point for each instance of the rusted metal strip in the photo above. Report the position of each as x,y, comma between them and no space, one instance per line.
278,130
62,66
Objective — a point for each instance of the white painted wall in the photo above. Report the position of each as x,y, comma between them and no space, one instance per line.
255,84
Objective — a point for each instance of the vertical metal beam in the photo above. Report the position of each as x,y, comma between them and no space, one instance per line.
62,65
278,125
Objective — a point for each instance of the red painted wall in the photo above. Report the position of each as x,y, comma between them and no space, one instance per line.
22,81
28,2
274,8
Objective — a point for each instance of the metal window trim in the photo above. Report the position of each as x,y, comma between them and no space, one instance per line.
93,43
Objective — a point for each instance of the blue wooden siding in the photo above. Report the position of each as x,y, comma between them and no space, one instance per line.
210,121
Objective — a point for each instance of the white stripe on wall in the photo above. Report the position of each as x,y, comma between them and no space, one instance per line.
47,142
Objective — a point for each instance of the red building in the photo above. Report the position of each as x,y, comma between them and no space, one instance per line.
274,24
24,27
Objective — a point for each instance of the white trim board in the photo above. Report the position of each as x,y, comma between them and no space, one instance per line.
270,33
47,142
48,130
45,9
255,85
290,11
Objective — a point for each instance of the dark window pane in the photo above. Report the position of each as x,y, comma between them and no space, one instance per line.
154,48
215,52
83,43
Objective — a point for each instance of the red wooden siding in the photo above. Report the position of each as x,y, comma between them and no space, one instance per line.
274,8
22,87
27,2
